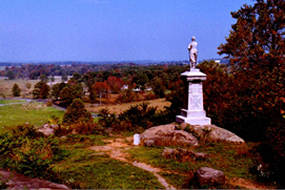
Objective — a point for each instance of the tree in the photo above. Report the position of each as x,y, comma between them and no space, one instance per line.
158,87
114,83
101,89
55,91
69,93
16,90
44,78
41,90
10,75
28,85
256,49
76,113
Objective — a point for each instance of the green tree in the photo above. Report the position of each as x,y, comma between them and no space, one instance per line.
55,91
41,90
10,75
69,93
76,113
16,90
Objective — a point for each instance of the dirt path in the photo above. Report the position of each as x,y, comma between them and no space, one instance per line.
115,149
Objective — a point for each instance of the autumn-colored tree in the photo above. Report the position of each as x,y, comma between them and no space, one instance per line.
28,85
114,83
16,90
256,49
101,89
158,87
76,112
41,90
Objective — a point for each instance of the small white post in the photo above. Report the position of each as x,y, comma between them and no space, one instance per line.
136,139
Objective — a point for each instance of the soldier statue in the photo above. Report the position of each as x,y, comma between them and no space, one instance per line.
193,52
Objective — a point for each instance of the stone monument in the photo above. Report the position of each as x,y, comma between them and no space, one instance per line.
195,114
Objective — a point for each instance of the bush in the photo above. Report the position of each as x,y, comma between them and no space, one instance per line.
28,152
107,119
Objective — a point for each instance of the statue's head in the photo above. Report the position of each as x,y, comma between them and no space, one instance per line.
193,38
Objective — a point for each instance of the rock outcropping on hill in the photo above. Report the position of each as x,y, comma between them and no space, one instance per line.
185,135
165,135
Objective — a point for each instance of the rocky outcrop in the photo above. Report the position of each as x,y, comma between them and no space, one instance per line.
181,154
209,177
18,181
167,135
212,133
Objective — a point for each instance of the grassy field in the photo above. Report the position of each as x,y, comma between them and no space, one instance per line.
7,101
226,158
119,108
34,113
6,87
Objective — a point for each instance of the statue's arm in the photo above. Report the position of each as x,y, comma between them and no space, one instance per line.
189,47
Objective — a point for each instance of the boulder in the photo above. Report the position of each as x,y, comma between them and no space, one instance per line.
167,135
47,129
212,133
209,177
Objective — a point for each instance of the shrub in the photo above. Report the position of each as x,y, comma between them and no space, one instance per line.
107,119
28,152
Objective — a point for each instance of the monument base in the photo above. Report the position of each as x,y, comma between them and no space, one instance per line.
193,117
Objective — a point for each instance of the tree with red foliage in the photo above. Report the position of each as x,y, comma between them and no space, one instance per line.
114,83
101,89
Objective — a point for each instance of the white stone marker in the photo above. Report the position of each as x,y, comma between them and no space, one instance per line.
195,114
136,139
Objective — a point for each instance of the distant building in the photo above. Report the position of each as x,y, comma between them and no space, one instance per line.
125,87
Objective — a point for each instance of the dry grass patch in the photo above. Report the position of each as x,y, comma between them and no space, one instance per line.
6,87
119,108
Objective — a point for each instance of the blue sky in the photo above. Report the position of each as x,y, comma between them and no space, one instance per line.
112,30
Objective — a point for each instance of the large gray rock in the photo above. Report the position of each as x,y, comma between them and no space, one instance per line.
212,133
47,129
209,177
166,135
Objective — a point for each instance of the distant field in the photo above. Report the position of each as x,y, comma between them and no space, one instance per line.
11,101
119,108
34,113
6,86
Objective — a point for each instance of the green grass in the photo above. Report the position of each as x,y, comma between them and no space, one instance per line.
34,113
175,179
223,157
11,101
86,169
